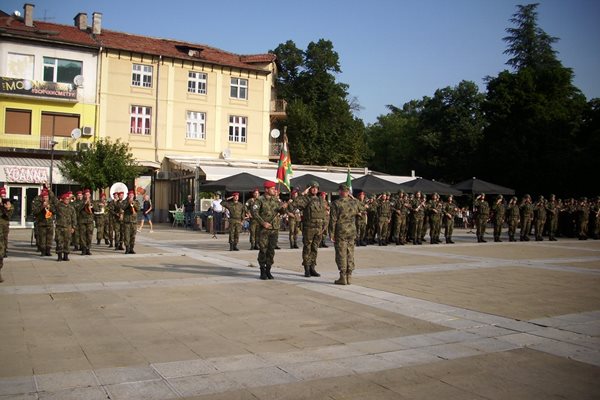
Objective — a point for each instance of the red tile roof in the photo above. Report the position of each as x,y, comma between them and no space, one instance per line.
56,33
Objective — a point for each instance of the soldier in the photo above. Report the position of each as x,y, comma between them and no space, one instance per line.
254,226
384,217
266,211
552,212
498,212
237,212
526,209
434,209
121,220
6,211
113,218
342,228
326,221
595,217
449,211
45,221
100,217
371,220
361,220
400,213
482,214
85,220
539,212
66,222
512,218
314,214
583,216
76,204
294,217
130,208
417,215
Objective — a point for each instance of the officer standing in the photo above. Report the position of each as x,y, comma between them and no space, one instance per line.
254,226
100,217
512,218
66,222
482,215
130,208
114,210
361,220
552,211
342,228
76,240
314,214
384,217
526,217
85,219
434,209
417,215
237,212
449,211
294,220
266,210
45,221
498,211
540,218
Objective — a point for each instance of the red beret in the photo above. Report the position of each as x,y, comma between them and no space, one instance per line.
235,194
269,184
44,192
102,195
79,192
65,196
3,190
255,190
131,192
86,191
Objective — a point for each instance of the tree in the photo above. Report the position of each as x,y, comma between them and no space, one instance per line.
321,126
103,164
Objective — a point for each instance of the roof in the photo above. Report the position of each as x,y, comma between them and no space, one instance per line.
11,26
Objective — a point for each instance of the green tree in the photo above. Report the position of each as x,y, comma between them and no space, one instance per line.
103,164
321,126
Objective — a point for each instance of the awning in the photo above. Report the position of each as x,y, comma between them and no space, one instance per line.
31,170
149,164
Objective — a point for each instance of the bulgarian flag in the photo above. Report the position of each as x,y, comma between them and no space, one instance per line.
284,169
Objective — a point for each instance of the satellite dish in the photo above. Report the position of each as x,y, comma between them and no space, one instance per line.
226,153
275,133
17,13
118,187
78,80
76,133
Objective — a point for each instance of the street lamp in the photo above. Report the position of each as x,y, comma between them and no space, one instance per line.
52,143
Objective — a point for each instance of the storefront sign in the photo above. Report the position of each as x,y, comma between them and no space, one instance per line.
26,174
37,88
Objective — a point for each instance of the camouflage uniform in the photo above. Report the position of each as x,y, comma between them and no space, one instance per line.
130,214
526,217
314,214
384,216
595,217
540,218
76,240
512,218
498,212
343,230
449,211
114,212
45,222
254,226
401,211
5,215
371,220
583,216
361,223
237,212
100,218
267,209
552,211
417,215
294,220
434,209
482,214
66,222
85,220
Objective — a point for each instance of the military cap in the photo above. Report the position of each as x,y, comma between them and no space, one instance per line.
313,184
343,187
514,198
527,196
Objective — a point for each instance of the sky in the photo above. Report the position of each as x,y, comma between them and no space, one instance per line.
390,51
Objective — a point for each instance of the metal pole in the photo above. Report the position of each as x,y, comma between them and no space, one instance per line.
52,144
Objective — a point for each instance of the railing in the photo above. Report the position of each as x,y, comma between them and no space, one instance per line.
278,106
274,149
28,142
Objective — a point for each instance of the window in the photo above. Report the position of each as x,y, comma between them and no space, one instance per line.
17,122
196,82
19,66
195,125
54,124
59,70
141,75
140,120
239,88
237,129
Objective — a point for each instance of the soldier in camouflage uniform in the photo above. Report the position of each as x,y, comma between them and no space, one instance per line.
294,217
512,218
595,218
498,212
384,217
583,216
539,212
76,240
400,212
85,220
342,228
45,220
361,220
66,222
371,220
100,217
237,212
482,215
449,211
6,211
314,215
254,225
417,215
434,209
552,211
526,217
130,208
267,210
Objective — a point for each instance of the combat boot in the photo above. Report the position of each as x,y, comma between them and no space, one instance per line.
230,246
66,257
342,280
60,257
296,245
127,250
110,244
313,271
87,251
121,246
235,248
263,273
268,272
131,250
307,271
106,242
349,277
1,265
97,242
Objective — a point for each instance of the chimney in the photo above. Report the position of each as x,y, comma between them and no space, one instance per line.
28,8
81,21
96,23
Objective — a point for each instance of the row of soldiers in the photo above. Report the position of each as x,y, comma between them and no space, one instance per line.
73,219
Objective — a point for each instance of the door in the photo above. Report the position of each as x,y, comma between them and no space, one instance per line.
21,198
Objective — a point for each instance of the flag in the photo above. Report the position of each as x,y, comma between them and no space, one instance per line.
284,169
349,181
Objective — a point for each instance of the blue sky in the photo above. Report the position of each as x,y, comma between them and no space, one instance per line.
391,51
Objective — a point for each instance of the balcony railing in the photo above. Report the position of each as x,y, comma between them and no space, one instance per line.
278,106
28,142
274,149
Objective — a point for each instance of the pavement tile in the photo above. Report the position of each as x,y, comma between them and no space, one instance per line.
89,393
184,368
146,390
109,376
65,380
17,385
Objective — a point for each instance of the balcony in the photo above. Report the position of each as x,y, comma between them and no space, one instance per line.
278,109
36,142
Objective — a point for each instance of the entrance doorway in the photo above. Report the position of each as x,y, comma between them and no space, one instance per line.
21,198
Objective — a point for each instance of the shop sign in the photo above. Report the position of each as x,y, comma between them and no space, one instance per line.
26,174
37,88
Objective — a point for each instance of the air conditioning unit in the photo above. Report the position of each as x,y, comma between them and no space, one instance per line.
87,131
83,146
163,175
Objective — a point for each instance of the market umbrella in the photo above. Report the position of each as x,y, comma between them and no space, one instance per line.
475,185
428,187
243,182
325,185
373,185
